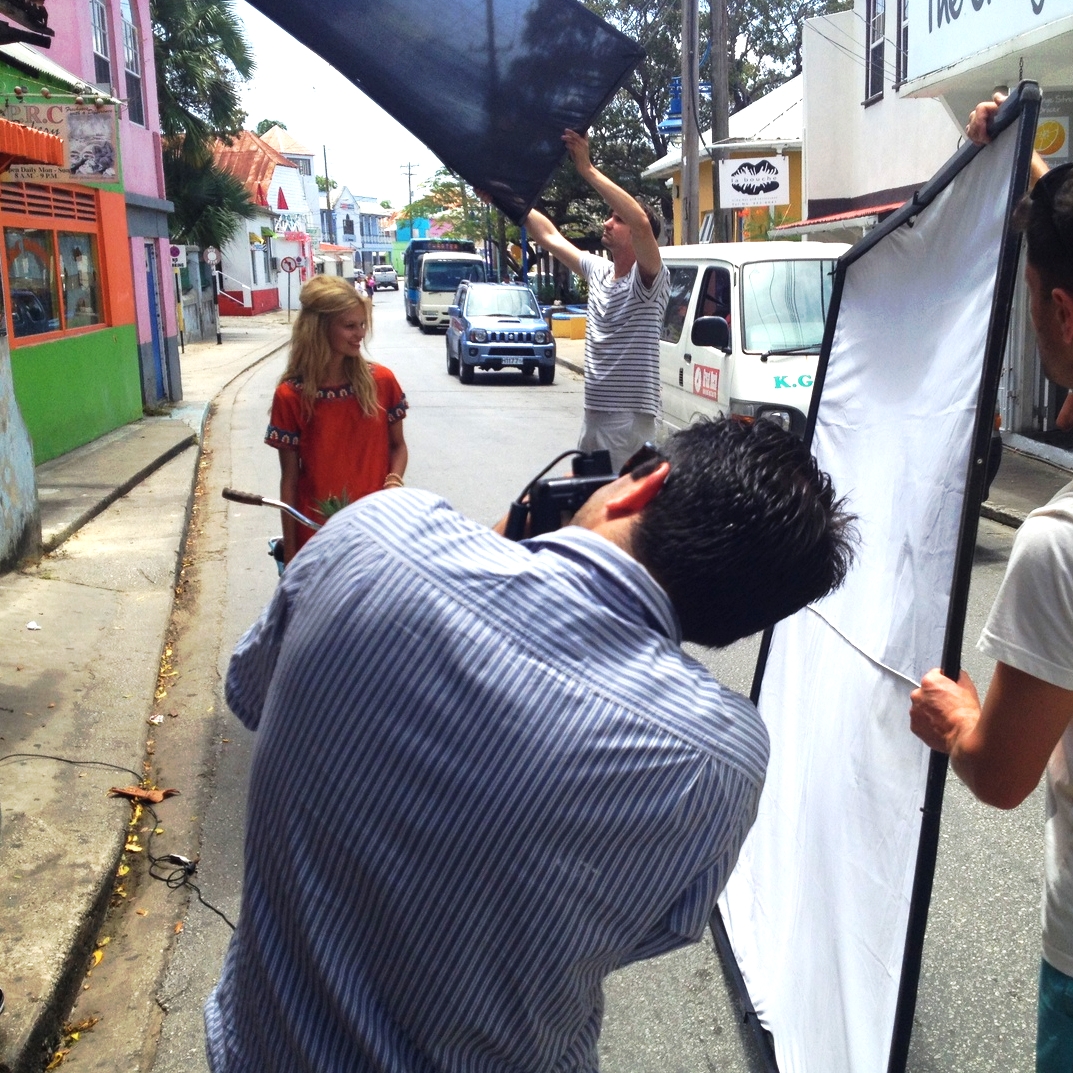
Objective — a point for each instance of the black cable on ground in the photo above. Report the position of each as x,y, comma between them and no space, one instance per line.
183,868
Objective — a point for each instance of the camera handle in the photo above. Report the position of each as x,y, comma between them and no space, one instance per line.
516,518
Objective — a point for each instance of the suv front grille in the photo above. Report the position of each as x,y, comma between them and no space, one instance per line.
510,337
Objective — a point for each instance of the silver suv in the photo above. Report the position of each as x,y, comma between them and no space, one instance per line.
385,276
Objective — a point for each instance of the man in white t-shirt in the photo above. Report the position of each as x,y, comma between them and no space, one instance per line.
1025,726
627,300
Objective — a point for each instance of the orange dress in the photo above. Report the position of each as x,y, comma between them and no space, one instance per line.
342,453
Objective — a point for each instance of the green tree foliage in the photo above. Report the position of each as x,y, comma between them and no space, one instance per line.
266,125
324,184
201,56
764,50
210,204
449,200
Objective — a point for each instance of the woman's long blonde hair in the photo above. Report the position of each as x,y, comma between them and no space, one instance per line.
322,298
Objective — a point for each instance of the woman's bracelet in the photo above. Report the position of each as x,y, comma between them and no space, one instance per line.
393,480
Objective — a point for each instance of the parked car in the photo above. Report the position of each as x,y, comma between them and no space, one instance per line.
385,276
498,326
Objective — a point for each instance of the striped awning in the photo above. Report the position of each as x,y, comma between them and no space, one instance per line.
23,145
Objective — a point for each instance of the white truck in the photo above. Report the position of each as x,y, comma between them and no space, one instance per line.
770,301
439,275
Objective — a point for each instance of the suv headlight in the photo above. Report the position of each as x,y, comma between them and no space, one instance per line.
540,338
478,335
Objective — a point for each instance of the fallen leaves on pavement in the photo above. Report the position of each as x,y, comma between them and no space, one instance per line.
136,793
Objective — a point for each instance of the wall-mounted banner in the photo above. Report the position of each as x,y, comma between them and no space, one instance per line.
943,32
89,137
763,180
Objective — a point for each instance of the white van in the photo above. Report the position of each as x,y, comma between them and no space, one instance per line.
769,301
438,280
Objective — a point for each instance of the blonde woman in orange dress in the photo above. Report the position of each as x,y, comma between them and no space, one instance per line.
336,416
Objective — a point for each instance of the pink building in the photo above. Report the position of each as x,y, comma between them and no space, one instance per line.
109,43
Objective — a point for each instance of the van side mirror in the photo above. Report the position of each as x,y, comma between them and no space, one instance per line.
711,331
454,311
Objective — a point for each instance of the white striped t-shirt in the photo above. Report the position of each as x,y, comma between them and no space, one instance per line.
622,337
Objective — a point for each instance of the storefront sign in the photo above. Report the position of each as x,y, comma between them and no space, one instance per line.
89,137
943,32
1053,130
756,181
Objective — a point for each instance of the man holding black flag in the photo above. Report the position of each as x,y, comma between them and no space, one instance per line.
627,300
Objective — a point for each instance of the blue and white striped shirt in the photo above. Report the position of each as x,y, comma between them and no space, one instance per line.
485,776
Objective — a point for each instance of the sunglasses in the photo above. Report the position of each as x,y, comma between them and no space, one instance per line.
1047,186
646,453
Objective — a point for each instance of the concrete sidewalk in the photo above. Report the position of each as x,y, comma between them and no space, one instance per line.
80,648
81,639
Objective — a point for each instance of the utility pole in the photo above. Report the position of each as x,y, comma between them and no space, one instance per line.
690,188
328,198
409,169
720,113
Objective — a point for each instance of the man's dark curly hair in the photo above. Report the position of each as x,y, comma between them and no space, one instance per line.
1046,217
745,531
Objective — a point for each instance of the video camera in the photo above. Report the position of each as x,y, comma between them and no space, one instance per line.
552,501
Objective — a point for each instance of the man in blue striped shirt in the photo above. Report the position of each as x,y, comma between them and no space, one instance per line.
486,774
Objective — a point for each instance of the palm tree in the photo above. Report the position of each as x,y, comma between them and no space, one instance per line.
201,54
210,203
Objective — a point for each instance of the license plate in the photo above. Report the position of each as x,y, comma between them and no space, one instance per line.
512,361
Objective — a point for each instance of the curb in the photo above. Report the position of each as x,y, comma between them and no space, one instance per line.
40,1038
571,365
1003,515
56,538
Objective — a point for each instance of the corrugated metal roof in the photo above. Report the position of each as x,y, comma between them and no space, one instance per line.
29,59
251,160
281,139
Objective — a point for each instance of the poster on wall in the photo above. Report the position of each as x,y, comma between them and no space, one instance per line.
1052,134
89,136
745,184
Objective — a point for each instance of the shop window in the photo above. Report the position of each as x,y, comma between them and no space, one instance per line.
348,225
875,27
132,66
102,54
31,261
40,265
80,280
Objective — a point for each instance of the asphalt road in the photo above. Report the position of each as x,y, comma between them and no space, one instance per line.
478,445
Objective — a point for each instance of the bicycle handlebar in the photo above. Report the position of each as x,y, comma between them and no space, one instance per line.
254,500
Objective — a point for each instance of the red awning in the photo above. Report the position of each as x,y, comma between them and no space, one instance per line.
24,145
838,217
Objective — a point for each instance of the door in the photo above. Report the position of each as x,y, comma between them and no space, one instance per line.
156,324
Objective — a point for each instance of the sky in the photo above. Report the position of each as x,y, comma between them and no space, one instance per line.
367,149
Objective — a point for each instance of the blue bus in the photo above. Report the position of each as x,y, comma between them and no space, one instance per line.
411,261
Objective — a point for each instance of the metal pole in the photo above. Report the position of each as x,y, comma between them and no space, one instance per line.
690,188
217,286
328,198
289,274
179,310
720,74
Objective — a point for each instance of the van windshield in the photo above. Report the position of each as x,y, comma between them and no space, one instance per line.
447,275
785,303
